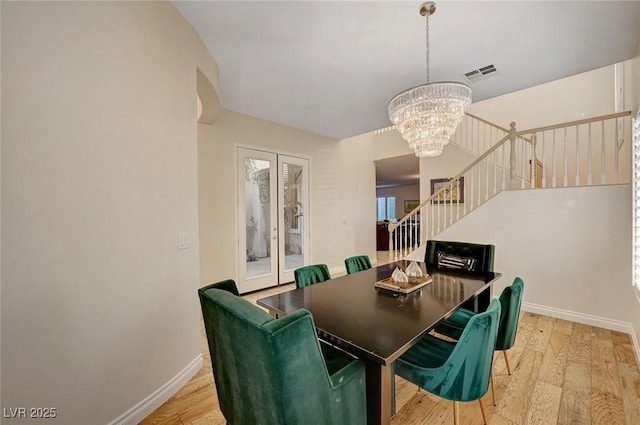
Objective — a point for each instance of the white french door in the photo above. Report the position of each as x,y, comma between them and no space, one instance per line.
273,218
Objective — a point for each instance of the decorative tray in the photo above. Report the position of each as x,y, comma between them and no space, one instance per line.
403,288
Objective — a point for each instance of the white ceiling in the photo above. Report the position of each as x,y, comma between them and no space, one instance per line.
331,67
398,171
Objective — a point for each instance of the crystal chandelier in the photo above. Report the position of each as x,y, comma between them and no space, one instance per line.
428,115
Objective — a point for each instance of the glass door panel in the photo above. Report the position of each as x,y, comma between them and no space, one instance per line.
257,220
293,206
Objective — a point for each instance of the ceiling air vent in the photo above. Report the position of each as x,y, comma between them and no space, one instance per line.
481,73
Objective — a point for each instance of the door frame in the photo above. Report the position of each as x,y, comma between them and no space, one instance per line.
308,214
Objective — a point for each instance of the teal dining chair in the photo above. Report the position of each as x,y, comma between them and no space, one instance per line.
308,275
275,371
510,302
457,371
357,263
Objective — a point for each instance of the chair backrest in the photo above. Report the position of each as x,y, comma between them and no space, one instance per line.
357,263
308,275
267,371
459,257
510,300
469,365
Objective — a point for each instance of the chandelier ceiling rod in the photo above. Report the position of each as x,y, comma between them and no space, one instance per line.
427,10
427,115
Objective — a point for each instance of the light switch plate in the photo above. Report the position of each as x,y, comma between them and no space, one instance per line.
184,240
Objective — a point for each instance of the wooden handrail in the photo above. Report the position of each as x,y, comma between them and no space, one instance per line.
573,123
451,182
499,127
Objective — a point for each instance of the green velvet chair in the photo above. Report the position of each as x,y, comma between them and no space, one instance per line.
457,371
357,263
273,371
510,302
308,275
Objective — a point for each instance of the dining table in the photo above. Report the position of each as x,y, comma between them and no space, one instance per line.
379,325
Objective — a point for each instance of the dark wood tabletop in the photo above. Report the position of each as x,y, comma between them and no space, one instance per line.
376,324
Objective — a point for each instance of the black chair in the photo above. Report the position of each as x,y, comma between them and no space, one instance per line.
465,257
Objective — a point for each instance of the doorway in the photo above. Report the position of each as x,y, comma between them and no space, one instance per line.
273,199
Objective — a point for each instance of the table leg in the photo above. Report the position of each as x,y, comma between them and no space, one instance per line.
480,302
378,394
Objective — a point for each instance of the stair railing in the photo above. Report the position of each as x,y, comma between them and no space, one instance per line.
582,152
476,135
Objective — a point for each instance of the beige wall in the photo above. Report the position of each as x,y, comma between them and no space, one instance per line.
542,236
388,144
342,178
580,96
99,174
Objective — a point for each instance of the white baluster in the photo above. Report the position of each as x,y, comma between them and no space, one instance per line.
484,136
603,164
495,172
590,159
542,155
418,227
469,131
464,207
470,184
434,216
512,158
458,191
524,156
451,207
617,152
564,153
504,168
533,169
553,160
438,221
445,213
479,187
477,132
577,156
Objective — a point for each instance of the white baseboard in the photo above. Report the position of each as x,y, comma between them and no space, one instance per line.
586,319
137,413
338,271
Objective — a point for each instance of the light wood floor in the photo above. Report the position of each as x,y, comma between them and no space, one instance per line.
563,373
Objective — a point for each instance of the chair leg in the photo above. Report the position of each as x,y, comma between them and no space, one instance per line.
484,415
493,391
456,413
506,360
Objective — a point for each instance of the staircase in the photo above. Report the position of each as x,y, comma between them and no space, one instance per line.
578,153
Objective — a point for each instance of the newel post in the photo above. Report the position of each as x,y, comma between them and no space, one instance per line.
512,158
